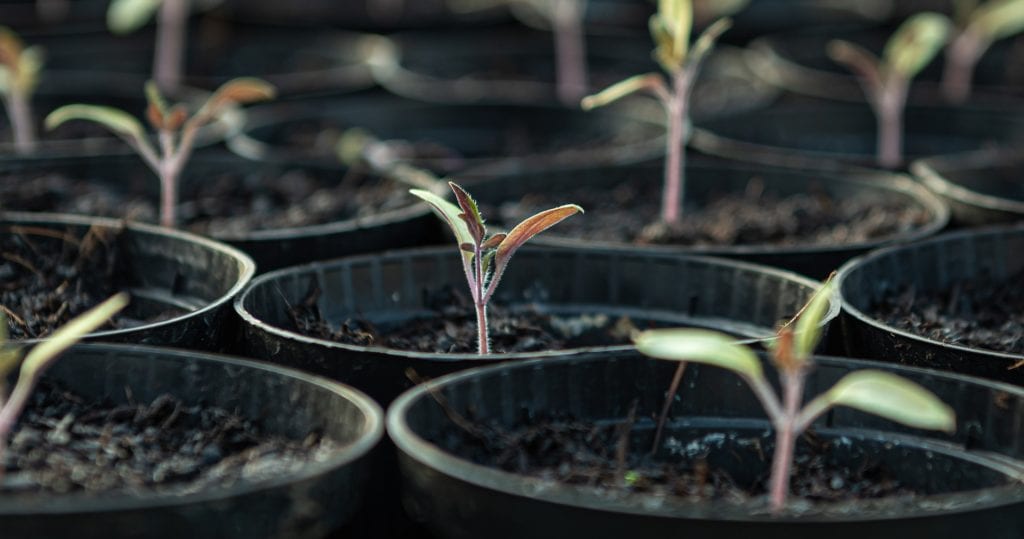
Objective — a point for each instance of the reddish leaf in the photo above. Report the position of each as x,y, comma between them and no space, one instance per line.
530,227
494,241
470,213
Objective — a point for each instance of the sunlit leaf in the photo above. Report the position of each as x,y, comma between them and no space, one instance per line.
701,346
708,38
998,19
916,42
893,398
530,227
43,353
449,213
621,89
11,48
155,98
470,213
808,324
243,90
116,120
126,16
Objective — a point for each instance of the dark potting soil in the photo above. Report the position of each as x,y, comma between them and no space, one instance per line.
617,457
228,204
978,313
64,444
48,276
629,214
453,328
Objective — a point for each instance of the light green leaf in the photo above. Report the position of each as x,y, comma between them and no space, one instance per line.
807,332
46,351
116,120
894,398
708,38
155,98
678,14
449,213
126,16
701,346
916,42
998,19
10,354
621,89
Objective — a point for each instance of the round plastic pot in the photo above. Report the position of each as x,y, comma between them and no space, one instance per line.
387,15
968,490
826,134
981,188
471,140
707,179
519,67
404,226
164,268
309,502
741,299
992,254
798,62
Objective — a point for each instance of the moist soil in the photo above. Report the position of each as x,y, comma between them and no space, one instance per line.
66,444
977,313
629,214
49,275
227,204
453,327
615,457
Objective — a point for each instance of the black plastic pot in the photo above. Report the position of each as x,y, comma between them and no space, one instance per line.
970,478
797,62
471,140
518,66
981,188
386,15
707,179
310,502
993,254
164,268
820,134
32,16
128,178
742,299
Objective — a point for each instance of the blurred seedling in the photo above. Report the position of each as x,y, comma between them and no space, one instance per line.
19,76
978,26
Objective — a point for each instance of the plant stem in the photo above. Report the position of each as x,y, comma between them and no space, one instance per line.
961,58
480,300
676,108
168,195
889,108
570,50
785,438
19,111
169,60
11,410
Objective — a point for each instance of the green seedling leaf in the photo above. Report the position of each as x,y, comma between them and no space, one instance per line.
701,346
470,213
449,213
155,98
808,324
708,38
998,19
40,356
915,43
530,227
127,16
116,120
677,16
10,355
894,398
621,89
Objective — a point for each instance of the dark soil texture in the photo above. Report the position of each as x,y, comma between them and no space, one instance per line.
49,275
454,330
225,204
66,444
978,313
614,457
630,214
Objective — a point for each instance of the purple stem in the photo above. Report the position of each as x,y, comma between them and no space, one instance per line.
570,50
677,109
169,60
785,438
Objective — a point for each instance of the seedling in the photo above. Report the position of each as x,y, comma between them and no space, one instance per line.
872,391
19,75
175,129
485,257
979,25
40,357
670,30
886,80
127,16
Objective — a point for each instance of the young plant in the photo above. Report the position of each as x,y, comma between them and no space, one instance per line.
40,357
127,16
175,130
670,29
485,257
19,75
872,391
978,27
886,80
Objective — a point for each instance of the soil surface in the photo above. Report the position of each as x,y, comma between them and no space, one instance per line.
630,214
454,330
64,443
227,204
614,457
978,313
49,275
